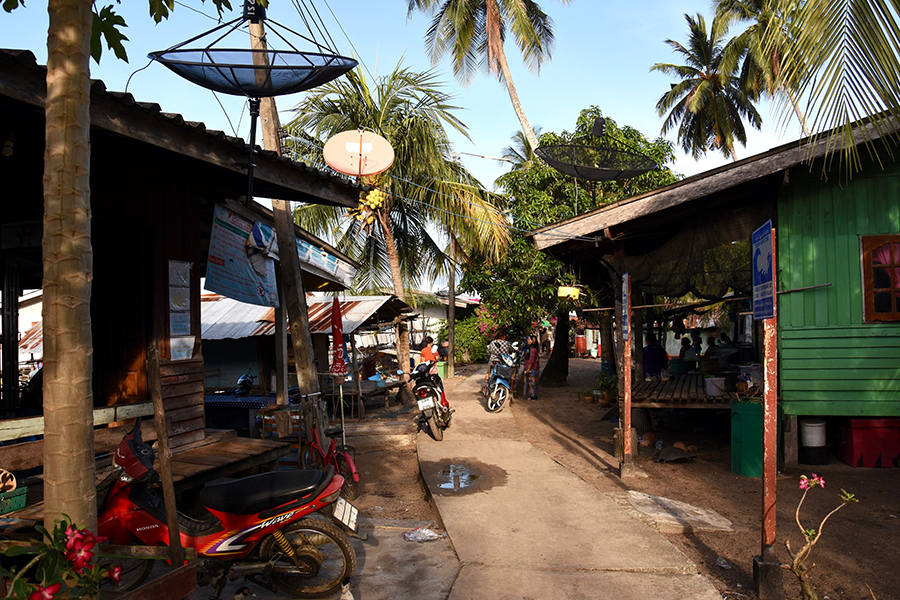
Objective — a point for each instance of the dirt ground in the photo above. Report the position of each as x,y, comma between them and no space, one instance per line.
859,546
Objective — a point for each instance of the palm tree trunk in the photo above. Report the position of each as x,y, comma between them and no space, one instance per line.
557,370
69,485
514,97
800,116
402,328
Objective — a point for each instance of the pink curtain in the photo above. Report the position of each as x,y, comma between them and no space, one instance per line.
882,256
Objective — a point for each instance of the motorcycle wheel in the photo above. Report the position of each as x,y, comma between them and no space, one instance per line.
322,547
134,572
351,488
436,432
497,399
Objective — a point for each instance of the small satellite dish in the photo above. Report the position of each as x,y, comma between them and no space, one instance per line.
358,153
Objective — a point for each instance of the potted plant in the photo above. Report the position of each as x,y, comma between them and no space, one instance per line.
608,385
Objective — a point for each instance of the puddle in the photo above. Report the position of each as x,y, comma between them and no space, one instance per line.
460,476
457,477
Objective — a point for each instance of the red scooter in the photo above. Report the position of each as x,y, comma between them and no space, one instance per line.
267,528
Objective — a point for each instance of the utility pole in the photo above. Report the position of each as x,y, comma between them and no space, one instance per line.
294,297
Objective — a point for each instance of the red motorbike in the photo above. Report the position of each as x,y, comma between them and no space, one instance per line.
269,528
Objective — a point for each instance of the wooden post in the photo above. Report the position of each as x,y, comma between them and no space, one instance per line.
361,406
451,311
281,353
626,468
176,552
766,567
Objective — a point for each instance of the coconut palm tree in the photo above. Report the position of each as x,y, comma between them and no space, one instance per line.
708,104
520,152
762,46
846,61
473,32
423,191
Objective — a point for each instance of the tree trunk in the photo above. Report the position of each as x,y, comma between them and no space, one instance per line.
514,97
557,369
402,328
288,260
69,485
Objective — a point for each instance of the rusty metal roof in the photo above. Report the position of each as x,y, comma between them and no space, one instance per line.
225,318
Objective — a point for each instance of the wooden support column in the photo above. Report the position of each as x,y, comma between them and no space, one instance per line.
176,552
766,568
626,467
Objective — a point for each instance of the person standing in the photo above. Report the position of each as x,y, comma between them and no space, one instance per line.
532,367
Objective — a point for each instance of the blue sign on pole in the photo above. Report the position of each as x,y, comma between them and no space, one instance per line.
763,276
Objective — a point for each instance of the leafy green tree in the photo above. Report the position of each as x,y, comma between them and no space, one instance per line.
473,33
846,61
708,103
73,37
762,46
521,288
424,190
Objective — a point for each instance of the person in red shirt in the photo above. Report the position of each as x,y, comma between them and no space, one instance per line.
427,352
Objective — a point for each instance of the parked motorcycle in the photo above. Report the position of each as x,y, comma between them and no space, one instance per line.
500,382
273,528
428,390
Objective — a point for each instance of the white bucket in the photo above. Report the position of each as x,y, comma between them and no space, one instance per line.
812,433
715,386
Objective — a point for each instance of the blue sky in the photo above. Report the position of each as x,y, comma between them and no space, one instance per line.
602,57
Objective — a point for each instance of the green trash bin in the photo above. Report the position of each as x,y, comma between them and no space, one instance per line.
442,368
747,437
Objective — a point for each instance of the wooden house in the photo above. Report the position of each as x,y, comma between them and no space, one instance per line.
837,258
155,183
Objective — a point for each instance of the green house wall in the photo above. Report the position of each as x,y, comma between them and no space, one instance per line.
831,362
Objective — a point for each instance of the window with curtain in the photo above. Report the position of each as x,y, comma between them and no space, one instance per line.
881,277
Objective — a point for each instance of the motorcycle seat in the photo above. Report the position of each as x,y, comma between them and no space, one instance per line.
333,432
254,494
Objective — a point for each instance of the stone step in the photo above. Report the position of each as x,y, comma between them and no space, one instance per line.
380,433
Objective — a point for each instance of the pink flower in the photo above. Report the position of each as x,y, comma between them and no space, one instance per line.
804,482
115,573
45,593
819,480
80,554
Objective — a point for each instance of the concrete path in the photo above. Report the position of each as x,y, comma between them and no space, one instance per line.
525,527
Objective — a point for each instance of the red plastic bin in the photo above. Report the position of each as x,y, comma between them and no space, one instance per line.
870,442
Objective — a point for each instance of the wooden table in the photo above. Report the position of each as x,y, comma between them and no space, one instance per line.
680,391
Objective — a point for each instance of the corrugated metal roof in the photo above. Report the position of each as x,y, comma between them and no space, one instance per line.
225,318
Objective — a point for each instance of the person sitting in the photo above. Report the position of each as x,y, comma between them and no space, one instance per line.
427,352
712,351
687,350
655,357
444,351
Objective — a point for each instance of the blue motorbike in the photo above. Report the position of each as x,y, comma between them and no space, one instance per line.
500,383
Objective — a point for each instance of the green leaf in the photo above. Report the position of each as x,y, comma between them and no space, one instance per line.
159,9
11,5
20,550
22,589
106,24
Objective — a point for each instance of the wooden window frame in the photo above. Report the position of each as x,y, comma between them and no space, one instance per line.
869,244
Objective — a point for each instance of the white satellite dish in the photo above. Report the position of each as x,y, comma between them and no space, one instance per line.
358,153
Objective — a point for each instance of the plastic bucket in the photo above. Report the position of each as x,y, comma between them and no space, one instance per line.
715,386
812,433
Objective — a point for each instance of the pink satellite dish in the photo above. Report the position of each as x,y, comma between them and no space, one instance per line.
358,153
